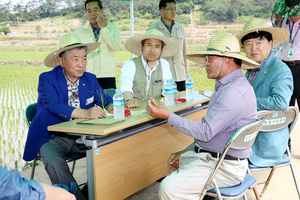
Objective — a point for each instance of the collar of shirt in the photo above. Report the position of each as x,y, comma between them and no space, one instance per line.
96,31
168,27
148,71
254,72
221,83
226,79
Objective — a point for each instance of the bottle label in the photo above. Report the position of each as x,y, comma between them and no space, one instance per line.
119,102
168,91
189,85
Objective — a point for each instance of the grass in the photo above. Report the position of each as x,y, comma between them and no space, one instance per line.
14,55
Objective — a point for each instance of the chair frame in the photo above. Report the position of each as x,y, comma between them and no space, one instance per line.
30,112
242,139
290,116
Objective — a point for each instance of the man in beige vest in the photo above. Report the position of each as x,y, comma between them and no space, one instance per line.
144,77
179,65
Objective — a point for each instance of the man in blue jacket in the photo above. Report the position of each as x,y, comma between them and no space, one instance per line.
64,93
272,83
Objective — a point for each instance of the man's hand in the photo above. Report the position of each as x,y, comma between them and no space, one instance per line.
92,113
173,161
56,193
102,22
110,108
132,103
156,110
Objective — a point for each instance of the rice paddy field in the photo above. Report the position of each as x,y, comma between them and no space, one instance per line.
18,88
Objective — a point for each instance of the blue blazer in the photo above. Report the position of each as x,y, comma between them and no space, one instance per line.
273,88
53,108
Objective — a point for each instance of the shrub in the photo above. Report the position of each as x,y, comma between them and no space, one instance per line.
38,28
5,30
53,31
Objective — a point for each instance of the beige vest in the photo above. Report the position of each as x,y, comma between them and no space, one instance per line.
140,79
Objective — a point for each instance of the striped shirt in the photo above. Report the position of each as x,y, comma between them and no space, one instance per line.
232,106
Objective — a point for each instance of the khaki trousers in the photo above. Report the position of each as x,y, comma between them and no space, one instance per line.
194,170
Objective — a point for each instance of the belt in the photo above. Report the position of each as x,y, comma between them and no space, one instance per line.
292,63
216,155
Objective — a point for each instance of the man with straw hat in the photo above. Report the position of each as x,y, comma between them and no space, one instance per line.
290,51
232,106
143,77
272,83
64,93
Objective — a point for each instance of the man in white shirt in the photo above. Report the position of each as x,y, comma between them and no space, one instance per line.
144,77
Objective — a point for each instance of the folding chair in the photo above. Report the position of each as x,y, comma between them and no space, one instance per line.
242,139
110,92
276,120
29,115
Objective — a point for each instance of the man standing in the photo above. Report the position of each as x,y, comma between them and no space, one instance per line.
64,93
102,61
179,65
290,51
272,83
147,74
232,106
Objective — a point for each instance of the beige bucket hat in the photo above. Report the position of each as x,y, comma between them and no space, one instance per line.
279,35
133,44
67,41
223,44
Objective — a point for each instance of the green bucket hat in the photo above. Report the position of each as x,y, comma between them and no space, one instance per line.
66,42
133,44
279,35
223,44
287,8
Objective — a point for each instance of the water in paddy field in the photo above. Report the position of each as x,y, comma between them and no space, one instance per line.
18,88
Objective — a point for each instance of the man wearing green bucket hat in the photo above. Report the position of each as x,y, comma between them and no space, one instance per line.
144,77
232,106
290,51
272,83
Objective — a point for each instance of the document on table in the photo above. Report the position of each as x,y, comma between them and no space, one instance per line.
103,121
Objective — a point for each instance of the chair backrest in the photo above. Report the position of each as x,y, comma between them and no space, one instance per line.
30,113
110,92
242,139
276,120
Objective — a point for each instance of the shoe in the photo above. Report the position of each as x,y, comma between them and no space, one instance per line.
85,191
206,197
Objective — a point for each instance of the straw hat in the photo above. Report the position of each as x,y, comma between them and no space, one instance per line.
279,35
67,41
133,44
287,8
223,44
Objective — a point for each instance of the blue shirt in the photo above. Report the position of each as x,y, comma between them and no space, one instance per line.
13,186
232,106
96,32
168,27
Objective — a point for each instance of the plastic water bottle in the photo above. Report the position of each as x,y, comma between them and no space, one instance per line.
174,90
118,105
169,96
189,87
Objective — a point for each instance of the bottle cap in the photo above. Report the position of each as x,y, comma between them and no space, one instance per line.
117,90
188,76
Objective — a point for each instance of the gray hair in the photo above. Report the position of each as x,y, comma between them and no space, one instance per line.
64,54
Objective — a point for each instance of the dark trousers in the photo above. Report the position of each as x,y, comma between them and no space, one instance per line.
296,78
107,83
296,93
53,154
180,85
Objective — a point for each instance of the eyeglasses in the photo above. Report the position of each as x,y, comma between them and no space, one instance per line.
207,58
171,9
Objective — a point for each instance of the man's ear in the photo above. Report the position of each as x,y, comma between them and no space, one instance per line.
271,43
61,61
